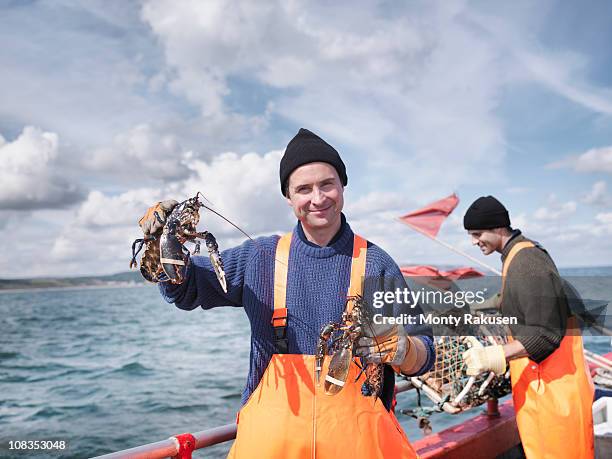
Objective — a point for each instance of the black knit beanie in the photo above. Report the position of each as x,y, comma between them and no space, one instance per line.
307,147
486,213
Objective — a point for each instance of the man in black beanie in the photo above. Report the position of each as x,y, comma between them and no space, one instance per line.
312,179
292,286
551,389
487,213
307,147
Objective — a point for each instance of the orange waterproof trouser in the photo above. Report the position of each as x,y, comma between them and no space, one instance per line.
290,416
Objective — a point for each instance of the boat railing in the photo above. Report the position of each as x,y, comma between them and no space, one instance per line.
181,446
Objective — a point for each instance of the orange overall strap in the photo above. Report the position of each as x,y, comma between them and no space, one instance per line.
360,249
279,315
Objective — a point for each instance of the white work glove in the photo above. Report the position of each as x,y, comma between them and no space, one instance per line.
483,359
149,224
389,347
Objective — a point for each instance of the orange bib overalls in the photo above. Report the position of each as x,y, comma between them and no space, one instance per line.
553,399
289,415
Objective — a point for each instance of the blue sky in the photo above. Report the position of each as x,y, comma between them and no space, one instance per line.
109,106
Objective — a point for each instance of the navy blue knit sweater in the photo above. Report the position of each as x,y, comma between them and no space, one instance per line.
317,285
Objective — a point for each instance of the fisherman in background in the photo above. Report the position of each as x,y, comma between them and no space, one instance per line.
290,287
551,386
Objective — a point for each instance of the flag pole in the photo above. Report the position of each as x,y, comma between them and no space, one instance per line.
450,247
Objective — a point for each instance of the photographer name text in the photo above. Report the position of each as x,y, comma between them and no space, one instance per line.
450,320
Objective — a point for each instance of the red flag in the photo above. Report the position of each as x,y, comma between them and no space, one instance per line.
443,280
430,271
430,218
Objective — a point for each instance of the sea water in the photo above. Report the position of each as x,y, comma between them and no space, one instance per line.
107,369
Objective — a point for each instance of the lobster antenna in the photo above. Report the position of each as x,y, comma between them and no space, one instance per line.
227,220
207,200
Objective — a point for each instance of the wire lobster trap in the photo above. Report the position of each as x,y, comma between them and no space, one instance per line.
448,385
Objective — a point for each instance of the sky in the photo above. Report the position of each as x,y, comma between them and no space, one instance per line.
108,106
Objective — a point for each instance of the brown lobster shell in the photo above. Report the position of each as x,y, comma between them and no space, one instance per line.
150,265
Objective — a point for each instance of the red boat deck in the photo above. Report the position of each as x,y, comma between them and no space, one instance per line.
481,436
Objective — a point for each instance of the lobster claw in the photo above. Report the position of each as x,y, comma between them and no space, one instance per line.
215,258
217,264
338,371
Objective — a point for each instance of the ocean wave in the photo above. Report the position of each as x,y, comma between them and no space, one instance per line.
45,413
162,407
8,355
133,369
37,367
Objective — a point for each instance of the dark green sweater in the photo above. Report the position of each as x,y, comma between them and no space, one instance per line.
534,294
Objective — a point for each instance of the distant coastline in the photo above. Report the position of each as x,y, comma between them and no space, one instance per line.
126,279
77,287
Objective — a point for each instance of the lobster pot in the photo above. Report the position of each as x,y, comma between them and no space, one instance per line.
448,384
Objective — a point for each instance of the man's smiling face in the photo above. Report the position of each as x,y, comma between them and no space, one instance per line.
488,240
316,195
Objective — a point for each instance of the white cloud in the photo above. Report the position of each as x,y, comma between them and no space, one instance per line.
101,211
605,218
376,83
153,154
593,160
205,44
517,190
377,201
29,175
598,195
555,211
392,88
520,221
74,247
107,223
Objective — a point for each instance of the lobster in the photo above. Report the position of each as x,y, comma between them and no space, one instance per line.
165,257
339,338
